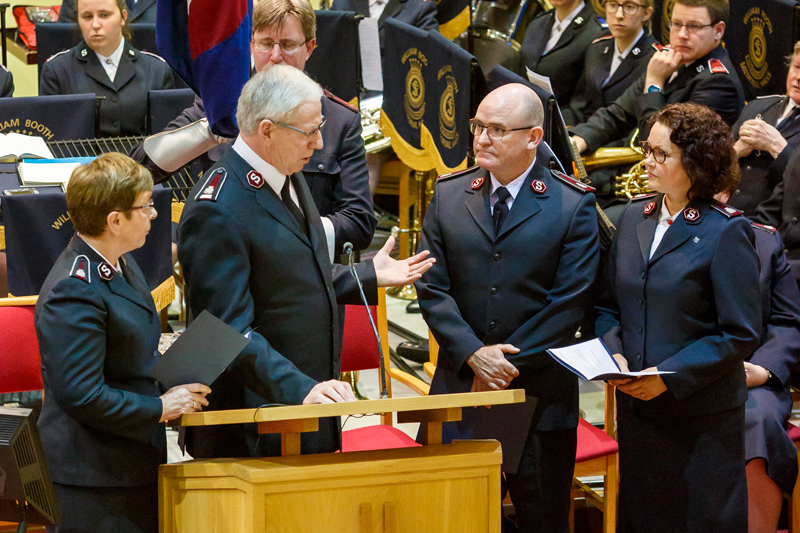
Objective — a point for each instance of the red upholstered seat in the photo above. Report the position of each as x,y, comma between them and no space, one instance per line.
593,442
381,437
19,351
794,433
359,346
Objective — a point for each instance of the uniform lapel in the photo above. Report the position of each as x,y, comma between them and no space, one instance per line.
123,287
361,7
126,69
93,67
540,41
601,73
309,210
525,204
478,205
646,230
773,112
678,233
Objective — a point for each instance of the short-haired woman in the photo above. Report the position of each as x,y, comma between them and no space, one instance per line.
682,295
102,417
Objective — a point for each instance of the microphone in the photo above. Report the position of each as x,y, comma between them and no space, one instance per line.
348,250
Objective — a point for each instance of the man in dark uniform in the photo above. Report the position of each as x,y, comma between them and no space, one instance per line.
782,211
517,254
555,46
337,175
766,134
143,11
6,82
418,13
695,69
254,254
123,111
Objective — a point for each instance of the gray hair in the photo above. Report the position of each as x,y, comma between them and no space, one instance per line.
274,93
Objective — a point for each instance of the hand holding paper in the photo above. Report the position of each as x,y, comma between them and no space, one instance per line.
591,360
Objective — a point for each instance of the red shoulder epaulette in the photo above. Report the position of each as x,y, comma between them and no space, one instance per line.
643,196
456,174
716,66
572,182
603,38
56,55
726,210
659,47
214,182
762,227
340,101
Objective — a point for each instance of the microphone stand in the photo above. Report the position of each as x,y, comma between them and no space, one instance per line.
348,250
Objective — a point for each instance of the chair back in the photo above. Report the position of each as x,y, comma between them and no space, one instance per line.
164,106
54,118
359,346
19,350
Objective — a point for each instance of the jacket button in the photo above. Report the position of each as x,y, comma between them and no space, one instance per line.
493,291
738,192
640,329
644,274
640,301
321,166
498,256
638,357
492,324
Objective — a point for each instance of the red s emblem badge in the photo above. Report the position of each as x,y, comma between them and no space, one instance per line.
538,186
255,179
477,183
649,208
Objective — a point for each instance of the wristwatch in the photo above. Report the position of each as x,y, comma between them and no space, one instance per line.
653,89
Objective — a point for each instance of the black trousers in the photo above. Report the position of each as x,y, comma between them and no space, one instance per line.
106,509
540,490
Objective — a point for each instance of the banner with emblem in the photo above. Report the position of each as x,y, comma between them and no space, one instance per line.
335,62
758,38
38,228
662,18
405,71
209,47
453,17
54,118
448,103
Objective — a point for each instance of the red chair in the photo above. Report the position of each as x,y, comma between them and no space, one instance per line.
360,352
19,348
794,497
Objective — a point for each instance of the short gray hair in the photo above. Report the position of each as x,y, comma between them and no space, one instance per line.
274,93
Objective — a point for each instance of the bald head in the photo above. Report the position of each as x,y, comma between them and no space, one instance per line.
508,130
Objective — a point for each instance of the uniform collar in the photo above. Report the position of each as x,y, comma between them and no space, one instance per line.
514,185
274,178
115,56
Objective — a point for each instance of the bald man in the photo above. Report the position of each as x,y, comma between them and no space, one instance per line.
516,247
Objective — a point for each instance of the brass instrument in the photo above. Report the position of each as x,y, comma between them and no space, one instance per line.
632,182
374,139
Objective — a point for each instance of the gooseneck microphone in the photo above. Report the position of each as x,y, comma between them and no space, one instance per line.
348,250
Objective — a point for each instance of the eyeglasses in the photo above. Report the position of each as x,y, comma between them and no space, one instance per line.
692,27
307,134
148,209
495,133
628,8
287,47
658,154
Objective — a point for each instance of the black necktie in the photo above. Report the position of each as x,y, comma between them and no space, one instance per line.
500,208
291,206
785,123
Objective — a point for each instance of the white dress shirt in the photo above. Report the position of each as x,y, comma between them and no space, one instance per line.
559,26
513,187
664,221
111,63
619,57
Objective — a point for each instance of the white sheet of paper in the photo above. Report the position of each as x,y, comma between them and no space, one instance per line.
539,80
17,144
370,45
591,361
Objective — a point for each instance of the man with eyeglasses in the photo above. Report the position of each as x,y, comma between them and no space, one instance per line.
284,32
555,46
694,68
254,254
516,249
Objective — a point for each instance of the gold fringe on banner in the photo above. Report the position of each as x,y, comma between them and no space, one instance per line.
2,238
354,102
164,294
177,211
410,155
456,25
430,146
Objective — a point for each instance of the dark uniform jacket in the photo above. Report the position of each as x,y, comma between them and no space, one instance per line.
760,172
144,11
337,175
782,210
563,64
720,91
6,82
529,286
591,94
693,308
248,262
418,13
124,110
98,339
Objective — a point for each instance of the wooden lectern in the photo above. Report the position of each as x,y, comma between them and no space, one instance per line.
434,488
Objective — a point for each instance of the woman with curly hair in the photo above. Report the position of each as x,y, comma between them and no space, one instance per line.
682,296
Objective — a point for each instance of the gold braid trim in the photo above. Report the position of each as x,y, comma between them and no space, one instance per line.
164,294
408,154
177,211
456,25
430,145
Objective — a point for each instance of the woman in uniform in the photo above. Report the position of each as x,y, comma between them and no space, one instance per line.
102,416
615,61
106,64
682,296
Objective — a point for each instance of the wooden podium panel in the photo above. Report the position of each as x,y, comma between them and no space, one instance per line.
436,488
